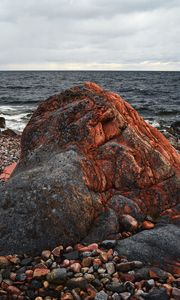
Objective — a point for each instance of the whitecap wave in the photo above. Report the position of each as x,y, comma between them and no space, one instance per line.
16,116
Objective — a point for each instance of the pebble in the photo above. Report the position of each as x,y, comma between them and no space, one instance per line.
91,291
129,287
76,267
108,244
125,266
128,223
86,254
67,296
87,261
13,290
20,277
90,247
89,277
77,283
46,254
104,257
149,283
4,262
148,225
101,296
69,249
116,287
105,280
110,268
40,272
101,270
58,275
56,251
125,295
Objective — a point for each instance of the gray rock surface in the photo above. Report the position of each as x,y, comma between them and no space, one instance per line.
49,200
161,244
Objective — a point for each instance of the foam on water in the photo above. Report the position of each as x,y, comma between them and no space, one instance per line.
153,123
16,116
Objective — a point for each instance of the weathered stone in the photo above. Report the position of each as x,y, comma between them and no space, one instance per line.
57,251
89,277
125,266
128,223
75,267
115,287
87,261
46,254
125,295
110,268
79,282
116,296
67,296
4,262
58,275
108,244
147,225
13,290
101,296
40,272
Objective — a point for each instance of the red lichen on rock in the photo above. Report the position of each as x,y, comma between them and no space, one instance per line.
121,152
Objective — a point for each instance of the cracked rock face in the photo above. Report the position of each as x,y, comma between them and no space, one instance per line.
87,158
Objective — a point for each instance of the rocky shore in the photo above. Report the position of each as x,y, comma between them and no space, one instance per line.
84,272
91,171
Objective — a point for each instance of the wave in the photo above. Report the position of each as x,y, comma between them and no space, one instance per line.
16,87
166,112
8,100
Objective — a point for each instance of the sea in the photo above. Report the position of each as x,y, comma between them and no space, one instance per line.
155,95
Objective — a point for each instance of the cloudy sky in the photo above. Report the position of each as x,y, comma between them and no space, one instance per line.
90,34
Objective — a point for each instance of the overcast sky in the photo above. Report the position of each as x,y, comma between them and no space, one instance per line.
90,34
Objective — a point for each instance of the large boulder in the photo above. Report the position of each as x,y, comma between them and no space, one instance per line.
87,158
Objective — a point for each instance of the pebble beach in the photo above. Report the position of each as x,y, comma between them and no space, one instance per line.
94,271
84,272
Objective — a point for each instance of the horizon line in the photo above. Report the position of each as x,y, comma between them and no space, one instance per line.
87,70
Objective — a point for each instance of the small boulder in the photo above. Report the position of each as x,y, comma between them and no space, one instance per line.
2,122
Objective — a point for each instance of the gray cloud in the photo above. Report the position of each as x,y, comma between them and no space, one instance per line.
88,34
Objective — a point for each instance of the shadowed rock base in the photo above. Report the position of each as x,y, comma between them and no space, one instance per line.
159,246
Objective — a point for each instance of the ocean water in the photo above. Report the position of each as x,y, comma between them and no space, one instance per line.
155,95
